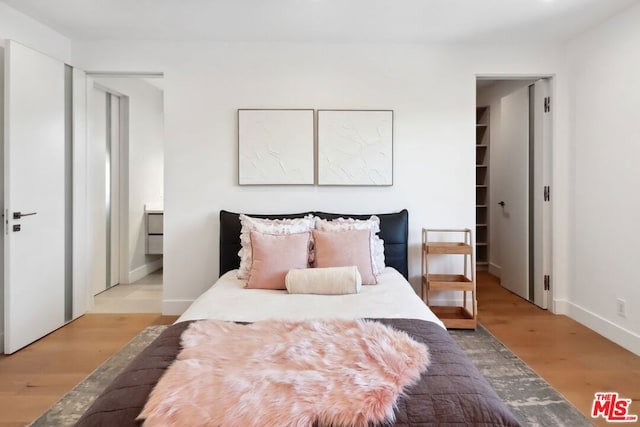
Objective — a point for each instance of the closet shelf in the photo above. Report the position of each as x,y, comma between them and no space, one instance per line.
483,161
449,282
447,248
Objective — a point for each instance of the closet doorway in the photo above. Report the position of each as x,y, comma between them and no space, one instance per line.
125,159
513,206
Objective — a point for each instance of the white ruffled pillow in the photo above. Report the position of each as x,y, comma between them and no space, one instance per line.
266,226
373,224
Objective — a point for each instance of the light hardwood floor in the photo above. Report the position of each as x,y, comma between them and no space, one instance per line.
575,360
572,358
35,377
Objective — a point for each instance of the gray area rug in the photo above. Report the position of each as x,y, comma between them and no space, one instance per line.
529,397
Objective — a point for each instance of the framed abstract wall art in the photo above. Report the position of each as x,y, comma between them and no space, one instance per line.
276,147
355,147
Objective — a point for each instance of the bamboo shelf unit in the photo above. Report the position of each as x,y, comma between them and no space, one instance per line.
453,317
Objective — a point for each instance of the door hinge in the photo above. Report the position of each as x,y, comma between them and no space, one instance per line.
547,282
547,193
547,104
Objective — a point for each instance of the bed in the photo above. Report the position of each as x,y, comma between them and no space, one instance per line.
451,392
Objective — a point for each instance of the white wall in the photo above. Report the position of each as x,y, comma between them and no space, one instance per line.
17,26
605,100
144,154
492,96
430,88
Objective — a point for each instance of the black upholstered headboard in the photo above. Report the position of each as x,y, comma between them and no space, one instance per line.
394,230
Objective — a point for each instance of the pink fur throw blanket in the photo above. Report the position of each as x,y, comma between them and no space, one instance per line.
286,373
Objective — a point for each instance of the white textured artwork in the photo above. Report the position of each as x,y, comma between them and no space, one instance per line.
275,147
355,147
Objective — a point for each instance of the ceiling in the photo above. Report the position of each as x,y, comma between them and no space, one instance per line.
429,21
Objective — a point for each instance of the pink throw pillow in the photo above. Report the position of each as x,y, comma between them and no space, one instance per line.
345,248
274,255
268,226
373,224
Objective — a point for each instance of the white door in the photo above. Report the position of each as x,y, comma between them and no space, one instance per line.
541,210
103,158
97,189
34,216
512,191
524,226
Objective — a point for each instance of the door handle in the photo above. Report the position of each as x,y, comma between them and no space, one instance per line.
18,215
501,204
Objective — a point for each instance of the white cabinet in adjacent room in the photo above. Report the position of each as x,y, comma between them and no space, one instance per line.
155,231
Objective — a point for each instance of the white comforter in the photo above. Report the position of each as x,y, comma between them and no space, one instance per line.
227,299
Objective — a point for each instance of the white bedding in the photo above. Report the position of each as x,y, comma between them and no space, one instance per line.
227,299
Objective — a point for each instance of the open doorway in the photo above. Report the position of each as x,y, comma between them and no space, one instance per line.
513,158
125,158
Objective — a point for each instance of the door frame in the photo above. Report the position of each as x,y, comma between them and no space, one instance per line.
552,178
124,273
82,295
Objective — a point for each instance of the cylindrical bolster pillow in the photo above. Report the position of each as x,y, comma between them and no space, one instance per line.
324,281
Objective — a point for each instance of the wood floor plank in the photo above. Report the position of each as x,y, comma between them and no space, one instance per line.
575,360
572,358
35,377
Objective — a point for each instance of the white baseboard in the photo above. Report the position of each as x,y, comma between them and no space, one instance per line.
495,269
606,328
175,307
144,270
560,306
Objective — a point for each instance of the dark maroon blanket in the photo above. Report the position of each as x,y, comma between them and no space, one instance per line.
451,392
